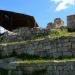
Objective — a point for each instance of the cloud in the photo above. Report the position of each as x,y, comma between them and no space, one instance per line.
63,4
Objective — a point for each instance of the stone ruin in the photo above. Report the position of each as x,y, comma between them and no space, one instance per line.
71,22
50,25
58,23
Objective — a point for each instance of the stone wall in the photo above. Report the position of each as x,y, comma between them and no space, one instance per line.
20,34
61,47
48,68
71,22
44,68
58,23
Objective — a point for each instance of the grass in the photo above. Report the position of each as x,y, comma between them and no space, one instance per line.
12,43
60,33
44,60
54,34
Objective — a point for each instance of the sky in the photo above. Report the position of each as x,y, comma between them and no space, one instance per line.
44,11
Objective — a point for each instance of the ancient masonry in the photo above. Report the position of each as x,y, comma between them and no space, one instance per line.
46,68
60,47
58,23
71,22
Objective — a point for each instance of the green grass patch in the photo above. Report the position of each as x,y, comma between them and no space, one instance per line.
45,60
13,43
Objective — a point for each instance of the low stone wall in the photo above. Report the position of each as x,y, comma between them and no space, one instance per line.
48,68
44,68
61,47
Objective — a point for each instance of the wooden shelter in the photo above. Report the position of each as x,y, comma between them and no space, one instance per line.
12,20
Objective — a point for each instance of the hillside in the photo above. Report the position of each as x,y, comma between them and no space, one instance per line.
27,52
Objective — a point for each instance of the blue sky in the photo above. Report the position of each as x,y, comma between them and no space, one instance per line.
44,11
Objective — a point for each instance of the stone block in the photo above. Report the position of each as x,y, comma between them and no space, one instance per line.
65,72
73,64
40,46
55,55
72,39
47,47
50,68
67,54
64,49
73,54
49,73
66,40
15,72
51,54
59,67
67,44
60,49
72,72
73,45
59,45
56,72
72,50
60,72
53,50
30,51
68,66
